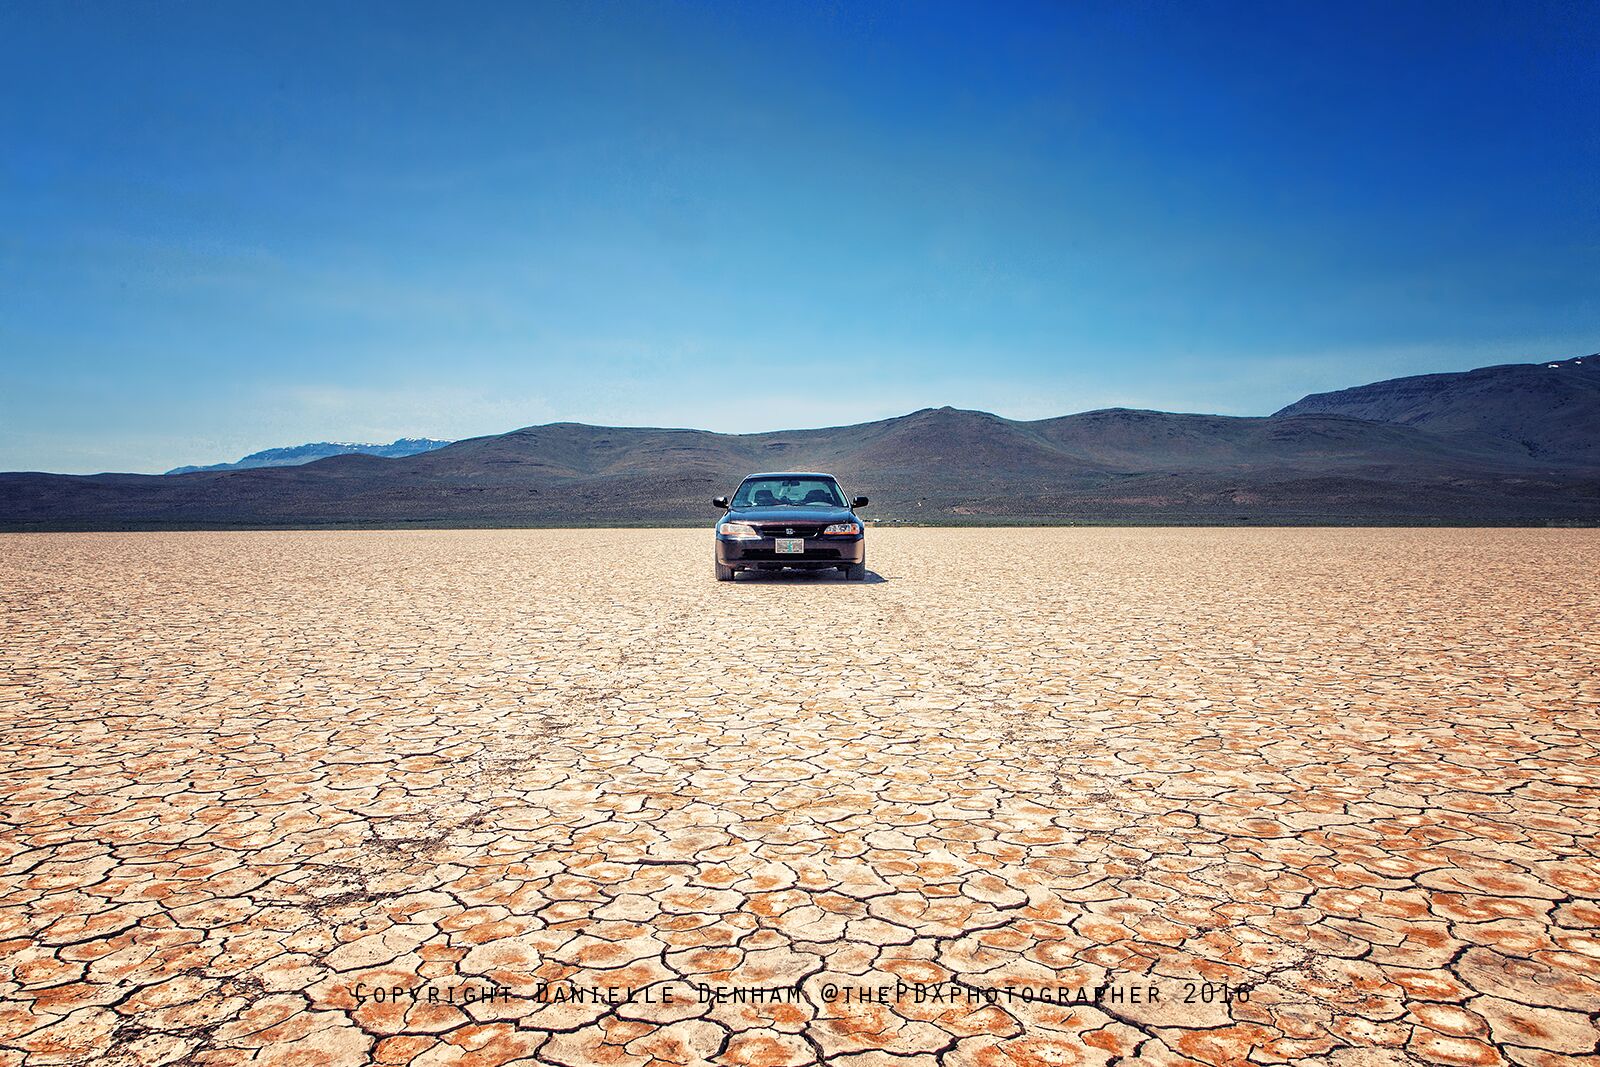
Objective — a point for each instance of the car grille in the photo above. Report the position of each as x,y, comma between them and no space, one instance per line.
791,529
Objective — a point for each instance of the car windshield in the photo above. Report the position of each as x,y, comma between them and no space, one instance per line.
788,492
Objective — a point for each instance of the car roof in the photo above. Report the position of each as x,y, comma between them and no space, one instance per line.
790,474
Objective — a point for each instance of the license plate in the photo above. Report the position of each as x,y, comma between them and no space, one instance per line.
791,545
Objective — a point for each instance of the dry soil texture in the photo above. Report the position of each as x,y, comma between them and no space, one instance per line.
1332,795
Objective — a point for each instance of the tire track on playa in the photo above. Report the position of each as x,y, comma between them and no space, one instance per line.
896,625
1021,735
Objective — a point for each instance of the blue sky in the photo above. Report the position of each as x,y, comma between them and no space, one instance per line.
225,227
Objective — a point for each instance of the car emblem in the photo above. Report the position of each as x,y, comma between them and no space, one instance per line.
789,530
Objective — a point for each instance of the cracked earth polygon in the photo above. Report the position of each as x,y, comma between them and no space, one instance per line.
1058,796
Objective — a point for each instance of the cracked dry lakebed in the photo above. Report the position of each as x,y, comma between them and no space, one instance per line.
1024,797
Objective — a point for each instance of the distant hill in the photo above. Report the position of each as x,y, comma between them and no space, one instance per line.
1542,409
297,454
1501,445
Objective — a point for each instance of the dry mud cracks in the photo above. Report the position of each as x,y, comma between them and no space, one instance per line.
1025,797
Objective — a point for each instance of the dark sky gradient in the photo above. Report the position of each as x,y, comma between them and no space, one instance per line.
225,227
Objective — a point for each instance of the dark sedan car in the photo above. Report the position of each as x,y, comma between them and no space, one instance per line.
790,520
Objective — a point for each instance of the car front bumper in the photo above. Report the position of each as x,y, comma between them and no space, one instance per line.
761,553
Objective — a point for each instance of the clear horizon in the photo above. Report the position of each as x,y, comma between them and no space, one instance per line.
232,229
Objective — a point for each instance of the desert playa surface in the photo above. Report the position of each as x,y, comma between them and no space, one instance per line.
1024,797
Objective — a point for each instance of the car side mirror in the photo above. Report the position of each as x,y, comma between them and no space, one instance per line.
720,502
859,502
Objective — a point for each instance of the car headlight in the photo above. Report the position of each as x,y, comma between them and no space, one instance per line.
842,529
738,531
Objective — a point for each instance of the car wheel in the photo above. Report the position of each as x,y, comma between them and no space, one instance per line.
856,572
724,574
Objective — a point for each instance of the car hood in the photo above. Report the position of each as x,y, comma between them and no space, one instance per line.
812,513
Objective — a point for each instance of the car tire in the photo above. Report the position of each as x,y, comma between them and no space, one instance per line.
724,574
856,572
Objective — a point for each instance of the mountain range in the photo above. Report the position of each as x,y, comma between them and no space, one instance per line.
297,454
1514,444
